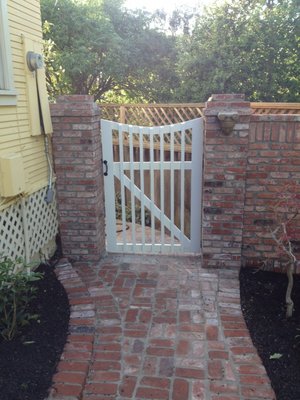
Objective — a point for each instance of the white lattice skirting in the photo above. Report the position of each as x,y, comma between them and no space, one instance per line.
28,228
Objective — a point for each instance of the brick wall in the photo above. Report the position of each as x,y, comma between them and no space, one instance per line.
243,173
273,162
78,168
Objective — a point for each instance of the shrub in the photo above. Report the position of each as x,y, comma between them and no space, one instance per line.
16,291
128,211
286,211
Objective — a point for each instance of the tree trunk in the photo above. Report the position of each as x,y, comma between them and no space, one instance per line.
288,299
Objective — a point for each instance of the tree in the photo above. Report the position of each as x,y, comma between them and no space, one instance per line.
103,47
181,20
55,74
244,46
83,41
99,47
286,219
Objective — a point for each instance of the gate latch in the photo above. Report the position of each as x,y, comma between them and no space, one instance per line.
106,167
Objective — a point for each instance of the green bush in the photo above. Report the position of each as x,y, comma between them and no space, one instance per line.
16,291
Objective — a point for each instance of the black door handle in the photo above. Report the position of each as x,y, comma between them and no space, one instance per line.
106,167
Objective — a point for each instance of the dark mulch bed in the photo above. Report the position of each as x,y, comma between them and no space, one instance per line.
263,305
26,370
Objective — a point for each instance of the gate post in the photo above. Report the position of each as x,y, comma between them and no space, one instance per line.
79,177
225,162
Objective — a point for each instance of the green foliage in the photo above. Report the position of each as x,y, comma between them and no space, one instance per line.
96,47
16,291
99,47
243,46
128,211
80,43
55,74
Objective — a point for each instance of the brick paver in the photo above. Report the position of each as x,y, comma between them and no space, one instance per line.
150,327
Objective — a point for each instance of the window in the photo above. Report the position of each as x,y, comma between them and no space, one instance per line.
7,92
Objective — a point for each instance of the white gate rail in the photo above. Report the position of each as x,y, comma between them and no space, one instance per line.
169,238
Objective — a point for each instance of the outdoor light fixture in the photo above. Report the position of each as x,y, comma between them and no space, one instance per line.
227,121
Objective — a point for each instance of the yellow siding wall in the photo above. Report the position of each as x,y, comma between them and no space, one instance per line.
15,136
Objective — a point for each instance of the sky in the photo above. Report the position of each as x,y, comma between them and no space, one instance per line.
168,5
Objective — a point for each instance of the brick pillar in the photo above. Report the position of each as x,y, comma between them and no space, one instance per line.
225,162
77,158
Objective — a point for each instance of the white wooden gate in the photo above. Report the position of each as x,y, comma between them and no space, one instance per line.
153,186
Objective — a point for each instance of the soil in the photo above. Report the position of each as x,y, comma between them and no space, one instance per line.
28,362
263,305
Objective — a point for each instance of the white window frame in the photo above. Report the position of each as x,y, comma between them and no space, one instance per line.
8,95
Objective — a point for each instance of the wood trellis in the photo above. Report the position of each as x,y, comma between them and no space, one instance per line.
166,114
276,108
151,114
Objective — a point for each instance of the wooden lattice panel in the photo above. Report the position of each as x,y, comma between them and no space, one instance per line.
151,114
12,242
42,221
165,114
276,108
40,224
110,112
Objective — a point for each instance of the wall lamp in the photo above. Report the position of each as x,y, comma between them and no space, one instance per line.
227,121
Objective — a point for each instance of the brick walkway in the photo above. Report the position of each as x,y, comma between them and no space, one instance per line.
156,328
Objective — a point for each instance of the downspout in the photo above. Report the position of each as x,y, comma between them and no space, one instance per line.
35,62
50,192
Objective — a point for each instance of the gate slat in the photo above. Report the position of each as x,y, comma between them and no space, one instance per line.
172,184
122,193
141,141
152,190
182,184
196,185
132,197
162,187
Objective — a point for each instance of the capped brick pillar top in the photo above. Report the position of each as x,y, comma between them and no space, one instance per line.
80,105
225,160
227,102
